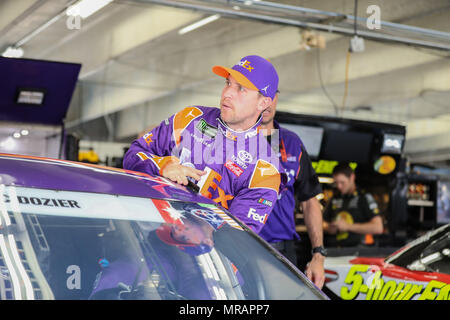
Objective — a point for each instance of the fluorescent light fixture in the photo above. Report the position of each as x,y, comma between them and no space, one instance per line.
12,52
250,2
16,135
24,132
199,24
30,96
85,8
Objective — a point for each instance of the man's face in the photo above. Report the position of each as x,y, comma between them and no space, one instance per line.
191,233
343,183
269,112
240,107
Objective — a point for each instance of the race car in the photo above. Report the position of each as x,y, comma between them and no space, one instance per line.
71,230
418,271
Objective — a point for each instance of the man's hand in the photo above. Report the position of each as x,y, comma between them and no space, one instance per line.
342,225
179,173
315,270
374,226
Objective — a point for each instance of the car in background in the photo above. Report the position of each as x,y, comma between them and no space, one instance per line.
71,230
418,271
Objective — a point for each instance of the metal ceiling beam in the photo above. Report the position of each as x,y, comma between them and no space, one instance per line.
329,14
42,27
444,37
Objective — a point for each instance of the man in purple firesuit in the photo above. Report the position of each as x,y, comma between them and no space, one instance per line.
302,184
221,149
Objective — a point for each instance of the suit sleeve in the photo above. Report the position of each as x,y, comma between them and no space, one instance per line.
307,183
253,203
153,151
253,207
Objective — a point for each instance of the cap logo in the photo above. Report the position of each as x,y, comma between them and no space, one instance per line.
265,89
246,65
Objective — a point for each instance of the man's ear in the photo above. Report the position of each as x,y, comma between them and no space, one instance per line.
264,103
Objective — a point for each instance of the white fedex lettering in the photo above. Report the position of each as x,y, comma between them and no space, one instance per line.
255,216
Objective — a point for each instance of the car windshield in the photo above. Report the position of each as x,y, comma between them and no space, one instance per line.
74,245
430,252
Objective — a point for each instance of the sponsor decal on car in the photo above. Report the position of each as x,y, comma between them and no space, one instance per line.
167,212
369,283
43,201
223,215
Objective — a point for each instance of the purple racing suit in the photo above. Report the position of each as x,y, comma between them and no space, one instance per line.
243,172
302,183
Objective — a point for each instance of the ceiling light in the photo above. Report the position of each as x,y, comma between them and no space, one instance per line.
12,52
85,8
16,135
199,24
250,2
31,96
24,132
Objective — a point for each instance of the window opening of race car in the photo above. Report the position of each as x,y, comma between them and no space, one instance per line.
57,244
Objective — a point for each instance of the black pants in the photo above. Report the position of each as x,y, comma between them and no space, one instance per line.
288,249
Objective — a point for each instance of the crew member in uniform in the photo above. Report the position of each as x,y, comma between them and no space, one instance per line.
303,185
351,213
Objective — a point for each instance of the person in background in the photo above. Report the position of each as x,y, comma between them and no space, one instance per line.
351,214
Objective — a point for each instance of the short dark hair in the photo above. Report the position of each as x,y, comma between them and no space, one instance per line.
343,168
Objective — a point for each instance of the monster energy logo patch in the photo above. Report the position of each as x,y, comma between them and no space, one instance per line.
206,128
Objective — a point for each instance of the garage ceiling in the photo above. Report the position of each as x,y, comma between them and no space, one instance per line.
137,69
